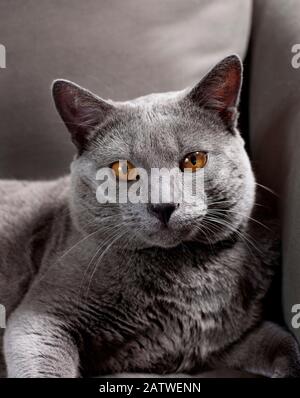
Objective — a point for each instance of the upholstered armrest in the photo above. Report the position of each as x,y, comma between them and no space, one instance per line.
275,126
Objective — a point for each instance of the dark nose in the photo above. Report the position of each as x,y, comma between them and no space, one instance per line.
162,211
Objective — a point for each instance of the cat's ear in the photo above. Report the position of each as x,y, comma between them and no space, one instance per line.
81,111
220,89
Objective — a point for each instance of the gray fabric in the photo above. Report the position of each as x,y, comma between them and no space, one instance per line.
275,124
119,49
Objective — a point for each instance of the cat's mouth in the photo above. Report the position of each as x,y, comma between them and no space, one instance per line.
166,236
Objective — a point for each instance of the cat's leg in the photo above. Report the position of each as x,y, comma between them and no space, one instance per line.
39,345
269,350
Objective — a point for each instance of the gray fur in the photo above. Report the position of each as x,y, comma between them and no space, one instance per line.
96,289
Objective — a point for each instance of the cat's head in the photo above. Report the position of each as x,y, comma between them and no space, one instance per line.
194,128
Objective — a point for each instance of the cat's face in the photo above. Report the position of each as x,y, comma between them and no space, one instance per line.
193,129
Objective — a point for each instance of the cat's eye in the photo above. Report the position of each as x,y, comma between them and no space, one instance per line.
194,161
125,170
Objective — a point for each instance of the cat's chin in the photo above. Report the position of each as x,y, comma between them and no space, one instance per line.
166,240
162,244
168,245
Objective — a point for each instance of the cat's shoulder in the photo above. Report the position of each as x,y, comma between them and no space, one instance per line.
23,190
23,202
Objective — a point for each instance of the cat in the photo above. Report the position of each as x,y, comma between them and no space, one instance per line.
96,289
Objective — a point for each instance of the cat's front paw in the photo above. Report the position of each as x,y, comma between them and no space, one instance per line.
286,369
288,364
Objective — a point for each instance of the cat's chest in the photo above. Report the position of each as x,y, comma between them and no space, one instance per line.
152,286
158,331
166,336
157,315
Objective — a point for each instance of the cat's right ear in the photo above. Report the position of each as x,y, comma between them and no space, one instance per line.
81,110
220,89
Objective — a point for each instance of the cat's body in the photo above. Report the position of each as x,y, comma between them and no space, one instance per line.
27,211
159,314
96,289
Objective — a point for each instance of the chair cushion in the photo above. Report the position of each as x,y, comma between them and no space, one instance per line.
118,49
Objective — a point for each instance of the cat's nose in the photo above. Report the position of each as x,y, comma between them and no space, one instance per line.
162,211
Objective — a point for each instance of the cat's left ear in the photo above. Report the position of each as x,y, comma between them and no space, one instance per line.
82,111
220,89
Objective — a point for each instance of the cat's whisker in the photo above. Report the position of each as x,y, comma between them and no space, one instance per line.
205,232
115,239
114,231
267,189
60,258
102,220
214,229
111,230
220,202
234,230
217,211
80,241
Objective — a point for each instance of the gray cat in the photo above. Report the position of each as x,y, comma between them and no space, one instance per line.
93,289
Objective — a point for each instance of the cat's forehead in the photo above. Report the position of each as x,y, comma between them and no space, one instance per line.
168,128
150,133
156,131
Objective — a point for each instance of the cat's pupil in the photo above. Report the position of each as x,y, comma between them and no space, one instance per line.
193,160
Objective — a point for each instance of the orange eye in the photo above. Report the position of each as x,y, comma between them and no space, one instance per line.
124,170
194,161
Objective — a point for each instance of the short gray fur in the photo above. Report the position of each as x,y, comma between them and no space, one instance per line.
96,289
